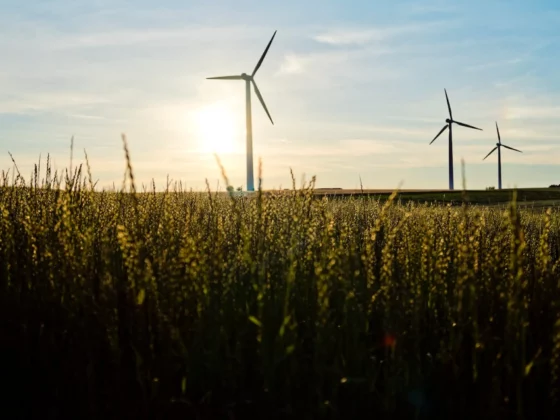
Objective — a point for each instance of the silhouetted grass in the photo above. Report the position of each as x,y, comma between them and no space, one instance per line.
185,305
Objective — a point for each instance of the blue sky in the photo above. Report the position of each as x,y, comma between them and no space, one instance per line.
354,88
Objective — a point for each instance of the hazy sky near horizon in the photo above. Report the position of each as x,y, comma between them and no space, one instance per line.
355,88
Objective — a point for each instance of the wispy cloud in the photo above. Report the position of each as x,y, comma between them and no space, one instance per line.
146,37
88,117
492,64
533,112
345,147
529,134
52,101
122,38
364,35
292,64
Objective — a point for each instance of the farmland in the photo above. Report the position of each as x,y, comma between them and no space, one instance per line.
190,305
525,197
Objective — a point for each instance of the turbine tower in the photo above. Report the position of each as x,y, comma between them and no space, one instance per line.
449,121
499,145
250,79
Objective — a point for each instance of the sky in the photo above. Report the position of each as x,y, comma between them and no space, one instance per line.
355,89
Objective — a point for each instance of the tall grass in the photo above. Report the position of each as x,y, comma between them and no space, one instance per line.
186,305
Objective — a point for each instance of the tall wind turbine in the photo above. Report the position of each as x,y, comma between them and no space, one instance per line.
449,121
248,80
499,145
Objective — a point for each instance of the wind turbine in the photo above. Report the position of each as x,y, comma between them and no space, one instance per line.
248,80
449,121
498,146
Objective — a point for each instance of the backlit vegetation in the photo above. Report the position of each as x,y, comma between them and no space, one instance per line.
177,304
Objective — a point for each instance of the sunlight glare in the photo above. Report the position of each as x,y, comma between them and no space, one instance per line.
216,129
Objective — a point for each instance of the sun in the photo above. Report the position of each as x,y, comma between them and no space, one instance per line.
216,128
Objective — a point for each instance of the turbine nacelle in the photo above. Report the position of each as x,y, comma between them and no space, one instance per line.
448,121
246,76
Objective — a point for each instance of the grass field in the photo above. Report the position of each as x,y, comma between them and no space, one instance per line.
525,196
537,198
187,305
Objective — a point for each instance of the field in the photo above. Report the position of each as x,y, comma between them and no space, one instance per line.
189,305
526,197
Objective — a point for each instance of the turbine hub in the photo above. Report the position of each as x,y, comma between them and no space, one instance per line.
447,120
498,144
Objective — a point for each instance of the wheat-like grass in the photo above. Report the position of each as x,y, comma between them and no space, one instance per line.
148,304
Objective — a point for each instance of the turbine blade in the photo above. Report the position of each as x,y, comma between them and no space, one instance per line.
498,130
226,77
264,55
261,99
492,151
511,148
448,105
438,134
466,125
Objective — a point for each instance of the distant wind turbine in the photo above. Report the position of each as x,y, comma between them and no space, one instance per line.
498,146
248,80
449,121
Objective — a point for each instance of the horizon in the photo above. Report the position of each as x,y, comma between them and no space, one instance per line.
355,91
